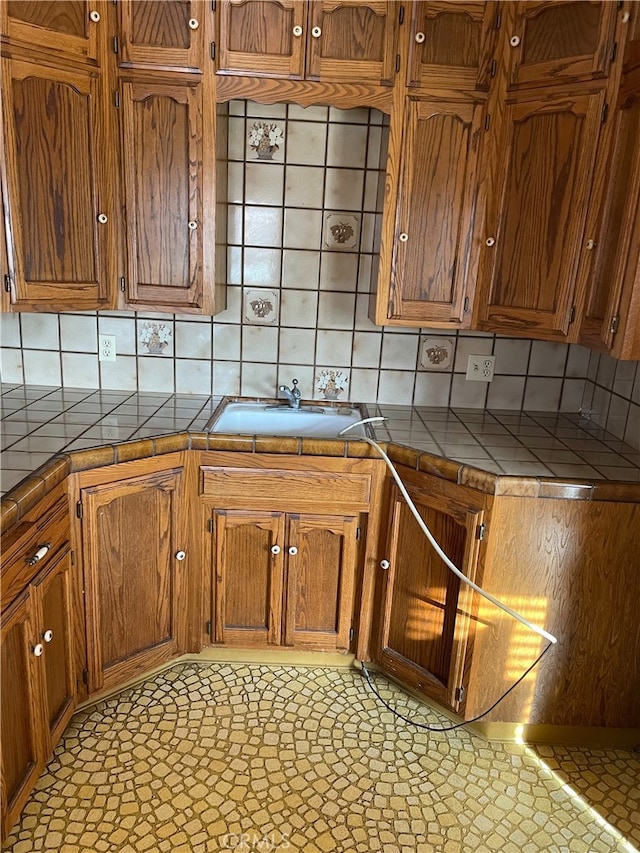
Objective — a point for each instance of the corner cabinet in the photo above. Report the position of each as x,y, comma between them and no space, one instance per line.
426,623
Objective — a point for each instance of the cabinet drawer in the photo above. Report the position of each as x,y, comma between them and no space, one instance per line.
286,490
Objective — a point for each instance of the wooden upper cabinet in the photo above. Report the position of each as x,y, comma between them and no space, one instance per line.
63,28
434,255
451,44
536,210
554,41
60,187
162,157
167,34
327,40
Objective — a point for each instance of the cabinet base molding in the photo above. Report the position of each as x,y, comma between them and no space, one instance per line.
591,736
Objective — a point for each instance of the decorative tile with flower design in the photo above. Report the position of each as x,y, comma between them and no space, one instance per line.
154,337
261,307
436,353
341,231
265,139
331,383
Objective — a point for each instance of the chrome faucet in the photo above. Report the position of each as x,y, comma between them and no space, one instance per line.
293,395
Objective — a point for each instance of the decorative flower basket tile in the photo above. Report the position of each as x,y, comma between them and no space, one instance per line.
261,307
436,353
341,231
266,138
154,337
331,383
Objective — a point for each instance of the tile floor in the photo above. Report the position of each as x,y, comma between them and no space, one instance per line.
253,757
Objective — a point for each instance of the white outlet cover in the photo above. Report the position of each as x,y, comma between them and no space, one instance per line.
106,347
480,368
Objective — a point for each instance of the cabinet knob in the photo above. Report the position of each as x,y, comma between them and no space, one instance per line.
193,23
420,38
94,16
102,218
626,17
48,635
180,555
275,549
490,241
38,649
316,32
514,41
403,237
293,550
40,553
384,564
591,244
297,31
193,225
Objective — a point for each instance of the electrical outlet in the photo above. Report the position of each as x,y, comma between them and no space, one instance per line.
106,347
480,368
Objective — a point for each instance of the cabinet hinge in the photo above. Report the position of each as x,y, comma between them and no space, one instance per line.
465,307
481,531
460,691
116,45
210,525
208,627
123,284
351,633
358,532
397,62
7,282
605,114
85,676
213,50
493,68
213,5
614,52
613,328
79,509
572,314
116,99
401,15
72,557
498,20
487,122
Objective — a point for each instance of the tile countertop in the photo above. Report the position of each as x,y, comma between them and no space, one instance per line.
39,422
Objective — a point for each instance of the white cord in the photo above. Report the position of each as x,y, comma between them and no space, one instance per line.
433,542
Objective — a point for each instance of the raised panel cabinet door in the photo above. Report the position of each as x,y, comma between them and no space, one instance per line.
67,28
263,38
320,574
134,583
552,41
166,34
435,256
22,729
536,214
163,175
351,40
59,187
425,626
54,608
248,564
451,44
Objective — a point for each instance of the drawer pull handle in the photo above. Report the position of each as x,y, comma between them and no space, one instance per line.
38,650
275,549
180,555
48,635
293,550
40,553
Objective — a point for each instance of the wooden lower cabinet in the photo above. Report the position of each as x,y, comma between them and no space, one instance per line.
38,680
425,613
282,579
134,572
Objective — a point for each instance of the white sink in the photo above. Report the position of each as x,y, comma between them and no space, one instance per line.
255,418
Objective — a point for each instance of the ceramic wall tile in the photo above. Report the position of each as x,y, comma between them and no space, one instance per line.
512,356
11,367
10,330
156,374
304,186
258,380
366,349
41,367
364,385
306,143
465,394
262,267
302,229
432,389
338,271
263,226
297,346
226,377
548,358
261,307
333,347
40,331
80,370
193,376
542,394
344,189
300,269
347,145
263,186
121,374
399,352
260,344
124,329
193,340
299,309
396,387
336,310
506,392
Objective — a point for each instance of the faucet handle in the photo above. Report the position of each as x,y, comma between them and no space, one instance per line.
295,390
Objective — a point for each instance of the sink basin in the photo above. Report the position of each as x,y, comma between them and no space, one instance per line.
260,418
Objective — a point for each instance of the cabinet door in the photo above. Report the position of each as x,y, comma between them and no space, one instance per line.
133,582
248,566
320,575
264,38
351,40
163,174
64,27
167,34
451,44
536,215
554,42
435,259
426,609
59,182
23,747
54,608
